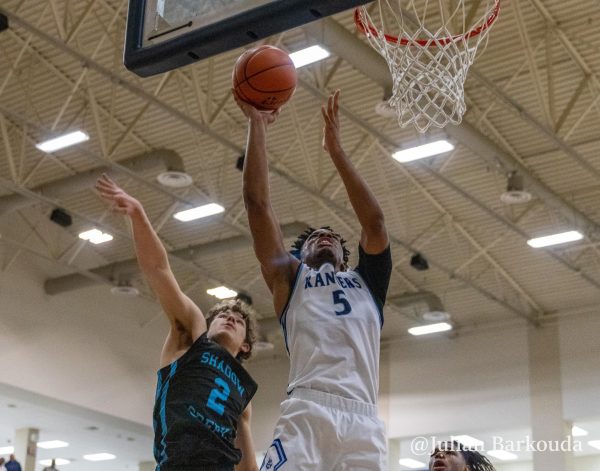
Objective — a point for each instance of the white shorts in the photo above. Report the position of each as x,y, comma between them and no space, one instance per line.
323,432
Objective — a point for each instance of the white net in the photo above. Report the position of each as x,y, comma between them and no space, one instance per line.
429,46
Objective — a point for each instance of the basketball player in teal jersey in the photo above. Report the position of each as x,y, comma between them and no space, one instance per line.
202,410
331,316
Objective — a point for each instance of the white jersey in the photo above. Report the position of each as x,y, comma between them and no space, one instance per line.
332,329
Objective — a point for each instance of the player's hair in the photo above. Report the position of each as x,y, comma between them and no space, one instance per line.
299,243
473,459
248,314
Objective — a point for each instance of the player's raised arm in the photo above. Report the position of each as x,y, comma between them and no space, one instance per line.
277,265
154,263
374,237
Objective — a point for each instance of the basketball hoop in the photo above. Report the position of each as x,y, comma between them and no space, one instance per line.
428,63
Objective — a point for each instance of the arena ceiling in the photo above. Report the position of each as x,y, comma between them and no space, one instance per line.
533,101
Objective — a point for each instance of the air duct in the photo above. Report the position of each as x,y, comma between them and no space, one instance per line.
435,311
168,159
128,269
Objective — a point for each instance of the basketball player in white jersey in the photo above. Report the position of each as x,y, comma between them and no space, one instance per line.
331,317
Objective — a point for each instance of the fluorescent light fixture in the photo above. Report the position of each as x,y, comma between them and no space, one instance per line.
420,152
430,329
595,444
308,56
57,461
199,212
99,457
7,450
95,236
468,441
411,464
60,142
555,239
502,455
222,292
52,444
578,431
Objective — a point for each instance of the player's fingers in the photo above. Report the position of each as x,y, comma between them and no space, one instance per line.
336,102
325,114
106,179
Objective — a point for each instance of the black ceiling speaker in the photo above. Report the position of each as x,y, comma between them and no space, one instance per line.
61,217
3,22
418,262
240,162
245,298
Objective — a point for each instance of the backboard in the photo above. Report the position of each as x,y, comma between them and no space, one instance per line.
166,34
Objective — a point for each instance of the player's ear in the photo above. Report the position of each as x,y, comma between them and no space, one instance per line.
245,347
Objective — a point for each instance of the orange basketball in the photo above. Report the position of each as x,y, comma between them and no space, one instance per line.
265,77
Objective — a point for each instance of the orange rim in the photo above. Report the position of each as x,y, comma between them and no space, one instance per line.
368,28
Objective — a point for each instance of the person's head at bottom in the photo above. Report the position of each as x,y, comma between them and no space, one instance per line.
454,456
231,323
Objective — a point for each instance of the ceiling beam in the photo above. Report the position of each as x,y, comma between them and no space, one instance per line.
128,269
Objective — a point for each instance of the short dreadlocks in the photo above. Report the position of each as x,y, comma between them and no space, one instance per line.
299,243
473,459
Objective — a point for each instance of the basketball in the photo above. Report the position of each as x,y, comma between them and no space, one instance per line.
265,77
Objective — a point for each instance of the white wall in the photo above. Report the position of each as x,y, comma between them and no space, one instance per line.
272,378
580,365
85,347
580,463
442,386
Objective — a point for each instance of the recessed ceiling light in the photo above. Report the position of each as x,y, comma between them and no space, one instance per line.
502,455
555,239
222,292
423,151
578,431
57,461
48,445
99,457
430,329
594,443
199,212
95,236
308,56
411,464
60,142
468,441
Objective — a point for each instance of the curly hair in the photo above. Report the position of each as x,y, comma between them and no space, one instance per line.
473,459
248,314
299,243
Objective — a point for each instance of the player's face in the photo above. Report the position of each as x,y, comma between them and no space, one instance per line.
443,459
323,246
229,326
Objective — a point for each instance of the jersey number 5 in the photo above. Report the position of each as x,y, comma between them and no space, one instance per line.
220,393
338,298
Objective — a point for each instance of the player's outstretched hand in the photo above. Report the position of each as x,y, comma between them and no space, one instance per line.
254,114
331,131
123,203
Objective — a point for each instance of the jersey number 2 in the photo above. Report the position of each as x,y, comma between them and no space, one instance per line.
338,298
220,393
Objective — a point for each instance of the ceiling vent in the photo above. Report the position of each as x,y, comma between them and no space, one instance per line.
124,289
515,190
